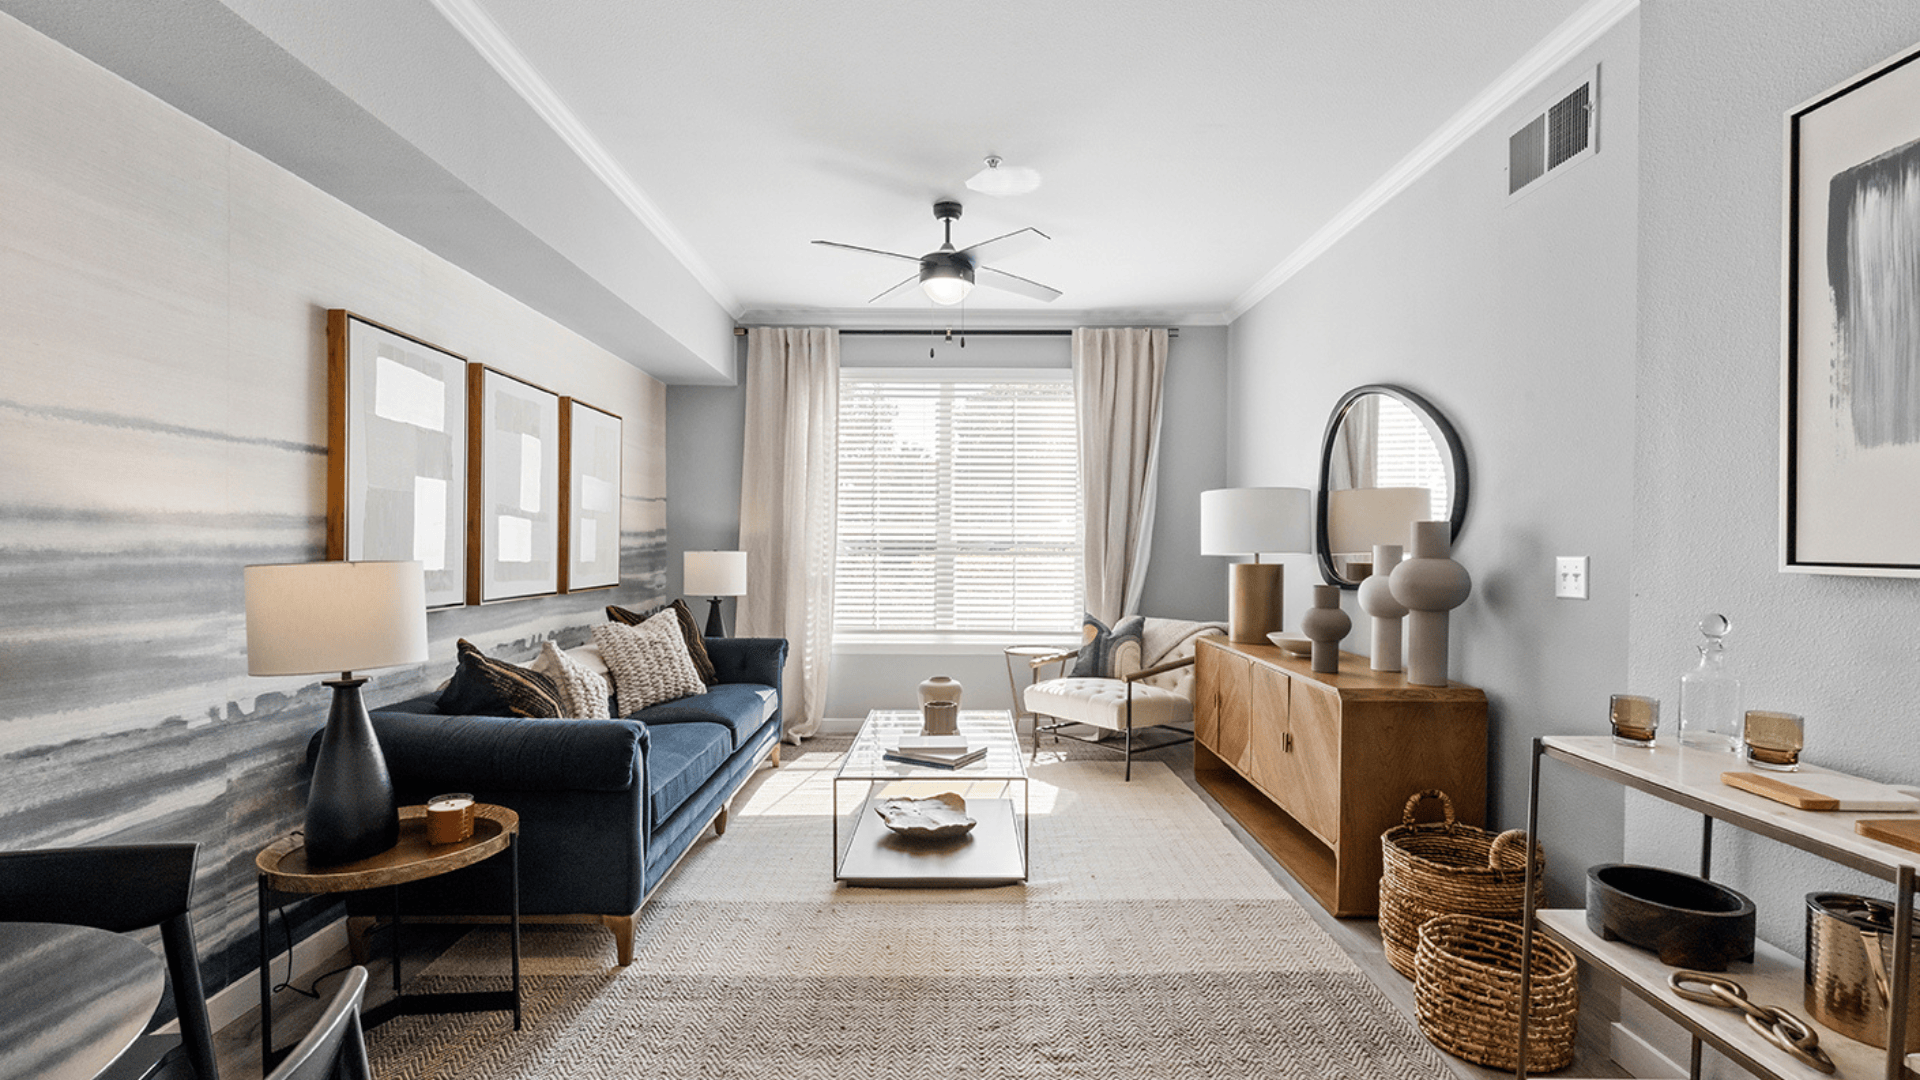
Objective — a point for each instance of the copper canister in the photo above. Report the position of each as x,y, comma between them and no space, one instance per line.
1849,973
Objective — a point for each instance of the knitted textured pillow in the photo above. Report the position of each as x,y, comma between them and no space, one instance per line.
484,686
649,662
689,632
583,693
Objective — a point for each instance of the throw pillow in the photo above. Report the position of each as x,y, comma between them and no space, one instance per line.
649,662
696,641
583,694
484,686
1110,653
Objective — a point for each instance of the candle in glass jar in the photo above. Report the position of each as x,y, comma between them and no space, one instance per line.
449,818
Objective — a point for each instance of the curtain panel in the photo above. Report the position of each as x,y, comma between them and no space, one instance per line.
1117,379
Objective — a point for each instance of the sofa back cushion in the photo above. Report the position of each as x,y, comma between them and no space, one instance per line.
484,686
649,662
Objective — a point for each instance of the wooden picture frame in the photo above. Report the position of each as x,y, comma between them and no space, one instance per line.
397,452
590,454
513,497
1850,380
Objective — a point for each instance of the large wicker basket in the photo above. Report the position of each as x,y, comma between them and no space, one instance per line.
1466,991
1447,868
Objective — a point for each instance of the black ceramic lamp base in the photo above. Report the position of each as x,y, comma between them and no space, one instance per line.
715,628
351,812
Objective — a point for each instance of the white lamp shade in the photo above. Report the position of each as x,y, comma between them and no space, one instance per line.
946,290
311,618
715,573
1359,518
1248,521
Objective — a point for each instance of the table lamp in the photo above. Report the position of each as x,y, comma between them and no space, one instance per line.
714,574
1249,521
316,618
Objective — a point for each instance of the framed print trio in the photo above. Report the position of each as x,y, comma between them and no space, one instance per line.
589,497
514,487
1850,418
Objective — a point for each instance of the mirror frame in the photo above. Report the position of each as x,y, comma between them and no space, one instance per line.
1456,458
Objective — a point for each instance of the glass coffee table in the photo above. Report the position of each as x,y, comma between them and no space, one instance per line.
866,852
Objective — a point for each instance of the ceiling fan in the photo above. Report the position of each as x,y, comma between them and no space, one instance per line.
947,276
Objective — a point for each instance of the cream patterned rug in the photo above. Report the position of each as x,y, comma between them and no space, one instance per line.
1148,944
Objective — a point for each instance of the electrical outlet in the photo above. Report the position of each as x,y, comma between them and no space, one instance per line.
1570,577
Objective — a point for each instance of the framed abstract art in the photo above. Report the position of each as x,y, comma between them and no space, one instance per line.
513,546
589,497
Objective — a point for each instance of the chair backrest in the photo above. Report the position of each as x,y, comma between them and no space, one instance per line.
335,1049
121,888
1162,640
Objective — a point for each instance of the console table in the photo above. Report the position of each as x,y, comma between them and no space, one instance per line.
1316,766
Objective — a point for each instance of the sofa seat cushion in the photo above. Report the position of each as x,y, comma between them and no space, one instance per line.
739,707
680,758
1103,703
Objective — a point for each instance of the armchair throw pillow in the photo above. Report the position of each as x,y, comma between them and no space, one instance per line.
649,662
484,686
1110,653
583,692
689,632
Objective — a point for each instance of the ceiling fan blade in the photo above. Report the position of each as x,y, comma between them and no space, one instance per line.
909,283
868,250
1013,283
1000,247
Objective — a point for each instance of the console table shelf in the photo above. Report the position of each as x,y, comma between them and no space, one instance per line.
1691,779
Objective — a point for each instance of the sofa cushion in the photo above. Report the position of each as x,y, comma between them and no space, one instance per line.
583,693
689,632
484,686
680,758
1102,703
740,707
649,662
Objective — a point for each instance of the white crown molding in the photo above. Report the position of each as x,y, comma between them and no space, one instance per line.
894,318
1554,51
493,45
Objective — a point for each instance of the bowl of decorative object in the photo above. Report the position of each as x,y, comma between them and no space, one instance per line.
1688,921
937,817
1297,644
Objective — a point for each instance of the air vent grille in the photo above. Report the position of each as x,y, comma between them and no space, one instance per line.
1567,120
1556,138
1526,155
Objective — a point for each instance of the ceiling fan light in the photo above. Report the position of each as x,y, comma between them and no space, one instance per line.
999,179
944,289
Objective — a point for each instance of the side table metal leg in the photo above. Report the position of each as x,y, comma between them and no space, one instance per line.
396,944
513,851
266,982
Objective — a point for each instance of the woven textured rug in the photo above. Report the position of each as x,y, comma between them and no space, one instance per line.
1148,943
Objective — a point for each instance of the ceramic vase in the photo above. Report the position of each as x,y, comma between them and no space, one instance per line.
940,706
1325,625
1429,584
1376,599
940,688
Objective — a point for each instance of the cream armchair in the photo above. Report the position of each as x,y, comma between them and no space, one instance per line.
1147,687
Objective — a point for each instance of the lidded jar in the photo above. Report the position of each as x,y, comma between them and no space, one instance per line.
1710,695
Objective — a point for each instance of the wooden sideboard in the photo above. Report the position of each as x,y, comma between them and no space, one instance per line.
1316,767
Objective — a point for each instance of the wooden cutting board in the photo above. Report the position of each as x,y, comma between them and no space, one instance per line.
1823,791
1900,832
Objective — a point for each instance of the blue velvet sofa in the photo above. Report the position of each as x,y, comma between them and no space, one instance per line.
607,807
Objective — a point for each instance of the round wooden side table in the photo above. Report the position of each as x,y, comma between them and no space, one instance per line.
283,869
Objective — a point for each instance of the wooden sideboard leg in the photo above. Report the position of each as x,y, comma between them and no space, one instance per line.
359,937
622,927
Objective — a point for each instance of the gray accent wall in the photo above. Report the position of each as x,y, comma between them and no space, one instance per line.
163,406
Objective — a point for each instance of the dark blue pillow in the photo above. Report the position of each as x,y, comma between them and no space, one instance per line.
1105,650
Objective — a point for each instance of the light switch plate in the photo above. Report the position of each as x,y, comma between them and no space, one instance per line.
1570,577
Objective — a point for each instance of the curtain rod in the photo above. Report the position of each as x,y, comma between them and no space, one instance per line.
1172,332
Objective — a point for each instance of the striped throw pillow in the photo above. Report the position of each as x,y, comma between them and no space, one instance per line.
484,686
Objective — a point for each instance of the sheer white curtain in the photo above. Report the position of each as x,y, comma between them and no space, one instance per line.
787,507
1117,376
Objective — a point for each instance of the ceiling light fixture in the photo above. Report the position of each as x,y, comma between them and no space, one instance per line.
946,280
999,179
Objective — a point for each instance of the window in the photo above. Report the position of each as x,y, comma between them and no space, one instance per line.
959,503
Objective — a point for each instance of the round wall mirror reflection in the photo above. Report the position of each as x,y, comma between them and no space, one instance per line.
1389,458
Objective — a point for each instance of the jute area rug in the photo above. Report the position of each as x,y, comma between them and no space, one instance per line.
1148,943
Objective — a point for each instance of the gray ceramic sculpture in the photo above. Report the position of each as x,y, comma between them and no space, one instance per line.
1430,584
1376,599
933,818
1325,625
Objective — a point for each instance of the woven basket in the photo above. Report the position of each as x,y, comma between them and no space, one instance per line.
1466,991
1446,868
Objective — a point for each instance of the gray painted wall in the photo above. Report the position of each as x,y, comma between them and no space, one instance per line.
1516,319
164,403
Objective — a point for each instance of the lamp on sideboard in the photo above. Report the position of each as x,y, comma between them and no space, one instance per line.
1359,518
1253,521
714,574
317,618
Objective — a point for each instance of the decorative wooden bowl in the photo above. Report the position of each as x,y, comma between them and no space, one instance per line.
1688,921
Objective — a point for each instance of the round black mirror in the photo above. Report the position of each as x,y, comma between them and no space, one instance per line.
1389,457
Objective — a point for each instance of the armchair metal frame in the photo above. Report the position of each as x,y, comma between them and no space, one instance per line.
1128,747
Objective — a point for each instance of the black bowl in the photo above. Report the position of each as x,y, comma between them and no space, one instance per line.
1689,921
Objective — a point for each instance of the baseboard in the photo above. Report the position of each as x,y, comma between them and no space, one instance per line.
242,995
841,725
1638,1056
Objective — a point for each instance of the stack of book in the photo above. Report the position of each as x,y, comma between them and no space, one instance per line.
939,751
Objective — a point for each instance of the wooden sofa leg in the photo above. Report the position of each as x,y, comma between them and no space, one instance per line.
359,937
622,927
776,755
720,819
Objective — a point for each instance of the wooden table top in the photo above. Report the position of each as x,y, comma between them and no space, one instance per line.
284,862
72,998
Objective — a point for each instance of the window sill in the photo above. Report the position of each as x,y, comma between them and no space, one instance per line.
943,644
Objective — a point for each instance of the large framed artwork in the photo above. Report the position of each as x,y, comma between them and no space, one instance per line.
513,545
589,497
1850,418
396,452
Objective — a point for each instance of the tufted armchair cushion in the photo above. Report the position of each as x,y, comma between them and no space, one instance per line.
1166,698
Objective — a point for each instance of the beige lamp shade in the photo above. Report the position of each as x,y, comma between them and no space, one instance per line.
1359,518
314,618
715,573
1248,521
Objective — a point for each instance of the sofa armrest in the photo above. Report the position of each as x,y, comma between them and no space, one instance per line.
467,753
748,660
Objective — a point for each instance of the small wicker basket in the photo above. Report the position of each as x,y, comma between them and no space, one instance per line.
1446,868
1466,991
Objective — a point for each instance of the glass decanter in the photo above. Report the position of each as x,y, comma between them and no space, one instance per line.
1710,713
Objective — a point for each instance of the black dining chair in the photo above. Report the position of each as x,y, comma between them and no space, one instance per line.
121,888
335,1049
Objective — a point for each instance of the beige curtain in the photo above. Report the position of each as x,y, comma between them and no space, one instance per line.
1117,376
788,508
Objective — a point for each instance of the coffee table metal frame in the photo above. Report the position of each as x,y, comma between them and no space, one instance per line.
996,852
